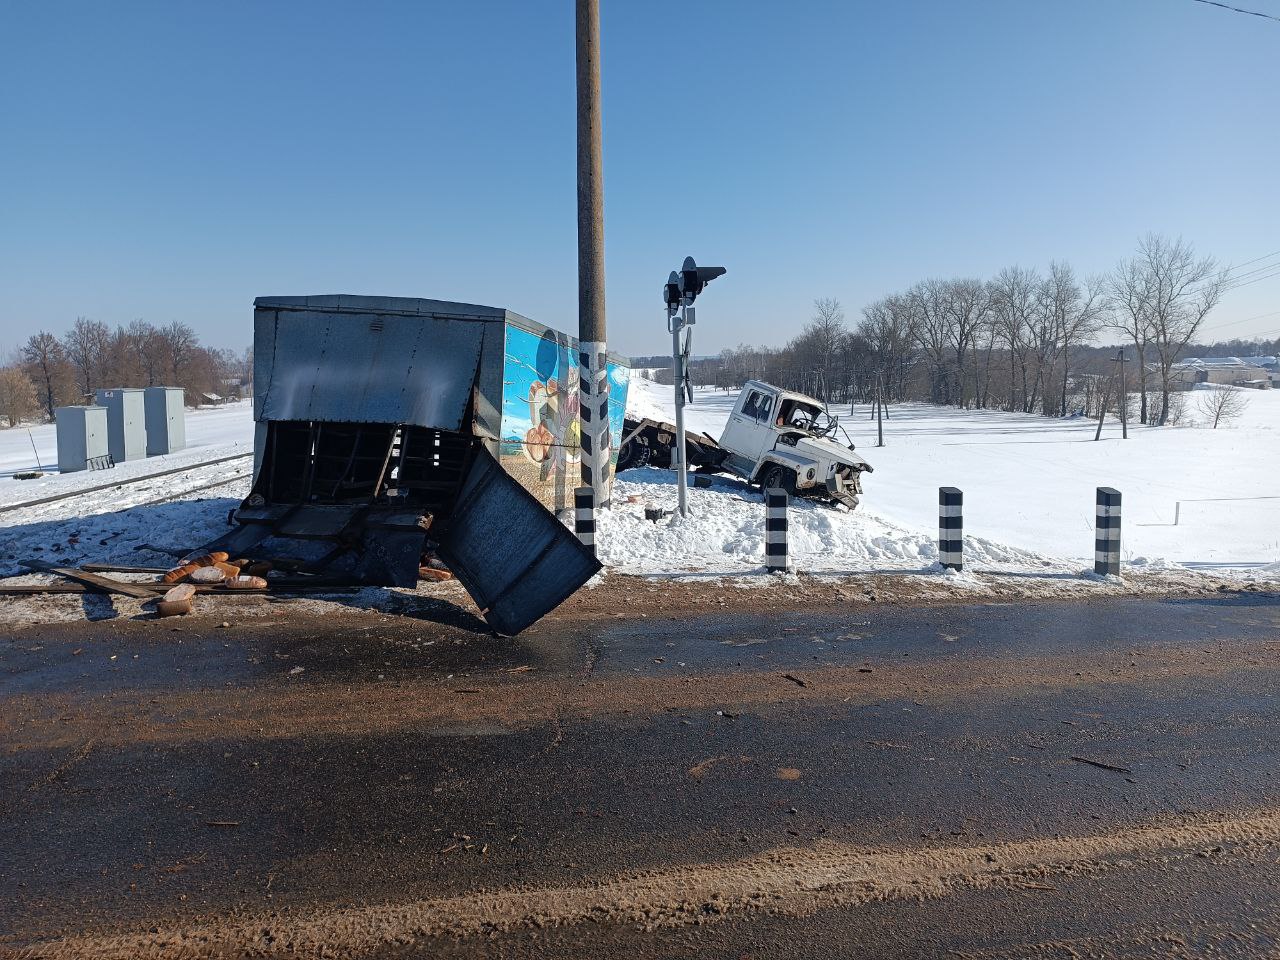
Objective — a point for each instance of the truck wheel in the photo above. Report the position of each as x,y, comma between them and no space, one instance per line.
777,476
626,456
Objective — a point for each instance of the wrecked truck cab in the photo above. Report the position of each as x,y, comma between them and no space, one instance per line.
779,438
387,428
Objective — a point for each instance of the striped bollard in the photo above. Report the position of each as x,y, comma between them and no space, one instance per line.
1106,534
584,517
593,417
775,531
950,528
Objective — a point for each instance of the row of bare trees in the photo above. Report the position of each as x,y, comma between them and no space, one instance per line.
49,371
1020,341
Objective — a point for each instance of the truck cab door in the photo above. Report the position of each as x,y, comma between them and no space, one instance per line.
750,432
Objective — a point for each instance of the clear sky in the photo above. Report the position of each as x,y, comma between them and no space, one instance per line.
173,160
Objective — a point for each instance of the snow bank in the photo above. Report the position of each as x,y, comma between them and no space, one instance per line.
724,534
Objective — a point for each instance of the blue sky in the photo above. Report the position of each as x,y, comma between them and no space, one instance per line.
173,160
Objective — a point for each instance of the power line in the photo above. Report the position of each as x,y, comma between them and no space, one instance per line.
1232,323
1252,13
1267,256
1265,276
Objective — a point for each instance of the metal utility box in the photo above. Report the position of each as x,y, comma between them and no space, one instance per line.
82,436
126,423
166,413
388,428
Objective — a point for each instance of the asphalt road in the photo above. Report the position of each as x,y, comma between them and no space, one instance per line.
1067,779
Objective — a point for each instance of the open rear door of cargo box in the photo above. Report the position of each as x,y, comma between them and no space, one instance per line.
515,558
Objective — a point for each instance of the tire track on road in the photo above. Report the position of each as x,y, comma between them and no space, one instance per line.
785,881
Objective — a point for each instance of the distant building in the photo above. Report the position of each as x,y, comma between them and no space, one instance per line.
1258,372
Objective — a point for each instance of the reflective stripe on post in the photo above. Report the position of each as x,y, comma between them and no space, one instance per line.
950,528
775,531
1106,533
584,517
593,418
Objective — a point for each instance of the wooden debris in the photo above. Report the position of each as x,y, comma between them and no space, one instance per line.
97,581
120,568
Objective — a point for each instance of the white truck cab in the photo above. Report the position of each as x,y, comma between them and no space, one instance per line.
778,438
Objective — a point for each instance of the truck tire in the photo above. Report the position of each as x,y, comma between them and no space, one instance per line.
778,476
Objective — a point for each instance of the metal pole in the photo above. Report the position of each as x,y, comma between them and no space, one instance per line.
593,387
1124,402
679,453
879,415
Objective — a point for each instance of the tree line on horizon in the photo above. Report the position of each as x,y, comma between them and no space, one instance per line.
1023,340
47,371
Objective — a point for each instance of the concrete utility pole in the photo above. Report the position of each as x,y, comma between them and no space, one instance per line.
879,413
1121,359
593,375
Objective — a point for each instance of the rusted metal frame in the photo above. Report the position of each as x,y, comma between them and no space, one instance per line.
309,475
386,461
351,460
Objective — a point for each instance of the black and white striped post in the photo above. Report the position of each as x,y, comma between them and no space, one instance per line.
584,517
775,531
950,528
593,413
1106,533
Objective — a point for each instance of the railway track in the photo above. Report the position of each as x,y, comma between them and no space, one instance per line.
28,504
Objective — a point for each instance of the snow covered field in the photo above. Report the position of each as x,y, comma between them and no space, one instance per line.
211,433
1029,487
1029,484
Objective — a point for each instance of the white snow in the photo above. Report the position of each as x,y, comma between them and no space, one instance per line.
211,433
1029,485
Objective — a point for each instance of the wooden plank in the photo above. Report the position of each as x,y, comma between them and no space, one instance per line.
29,589
119,568
158,590
106,584
97,581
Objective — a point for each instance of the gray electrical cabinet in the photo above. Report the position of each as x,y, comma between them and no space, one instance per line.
166,420
82,436
126,423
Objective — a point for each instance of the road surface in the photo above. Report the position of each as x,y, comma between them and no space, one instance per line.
1017,780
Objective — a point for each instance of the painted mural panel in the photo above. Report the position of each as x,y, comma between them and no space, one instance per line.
540,444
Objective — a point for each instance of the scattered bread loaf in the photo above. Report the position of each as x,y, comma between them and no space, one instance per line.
246,583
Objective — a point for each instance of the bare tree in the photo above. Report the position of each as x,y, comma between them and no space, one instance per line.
46,364
1223,405
1072,316
1016,305
149,349
87,345
824,335
931,325
17,396
967,304
1162,295
181,345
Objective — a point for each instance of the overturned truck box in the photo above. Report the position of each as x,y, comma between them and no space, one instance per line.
389,428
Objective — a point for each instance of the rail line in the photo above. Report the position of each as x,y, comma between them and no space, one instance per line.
121,483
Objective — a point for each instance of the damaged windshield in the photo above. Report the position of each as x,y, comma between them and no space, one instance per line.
806,418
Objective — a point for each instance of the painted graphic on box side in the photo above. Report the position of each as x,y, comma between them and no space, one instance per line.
540,425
